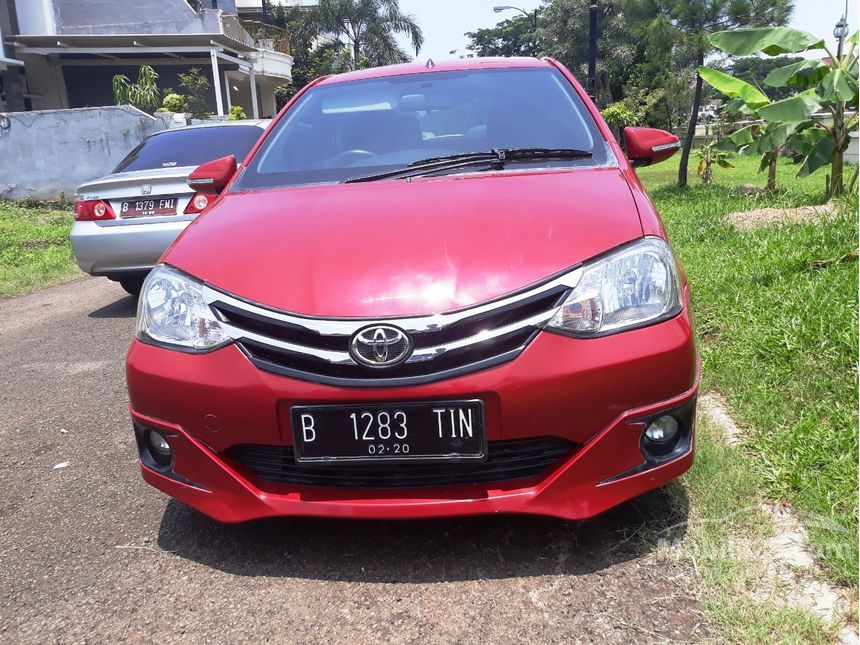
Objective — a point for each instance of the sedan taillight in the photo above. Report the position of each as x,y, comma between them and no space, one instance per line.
199,203
93,210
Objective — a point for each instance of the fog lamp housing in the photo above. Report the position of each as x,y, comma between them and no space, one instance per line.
661,435
159,448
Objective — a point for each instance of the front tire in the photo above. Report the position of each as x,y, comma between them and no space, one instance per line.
132,285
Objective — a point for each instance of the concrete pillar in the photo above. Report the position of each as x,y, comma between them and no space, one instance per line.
216,81
255,106
227,91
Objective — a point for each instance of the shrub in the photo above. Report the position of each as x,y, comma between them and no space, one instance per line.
143,94
237,113
196,83
174,102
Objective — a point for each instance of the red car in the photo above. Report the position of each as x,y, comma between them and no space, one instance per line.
428,291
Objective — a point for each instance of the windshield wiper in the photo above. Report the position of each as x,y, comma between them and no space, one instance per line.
497,158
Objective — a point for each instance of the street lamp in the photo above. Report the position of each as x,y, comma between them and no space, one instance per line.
533,16
839,32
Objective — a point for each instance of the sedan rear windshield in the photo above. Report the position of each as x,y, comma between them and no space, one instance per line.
344,131
191,147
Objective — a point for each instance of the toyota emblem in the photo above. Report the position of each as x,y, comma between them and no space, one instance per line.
380,346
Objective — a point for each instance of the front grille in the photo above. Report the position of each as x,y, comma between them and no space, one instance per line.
506,461
444,345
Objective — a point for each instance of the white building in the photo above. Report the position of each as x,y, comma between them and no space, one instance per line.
72,49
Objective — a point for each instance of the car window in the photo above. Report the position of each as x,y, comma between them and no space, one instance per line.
346,130
191,147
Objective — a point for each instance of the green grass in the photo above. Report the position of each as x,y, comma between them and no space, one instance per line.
34,247
779,340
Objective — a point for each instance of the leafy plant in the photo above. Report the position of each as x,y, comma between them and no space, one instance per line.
142,94
237,113
709,154
632,109
618,116
766,138
174,102
830,86
196,83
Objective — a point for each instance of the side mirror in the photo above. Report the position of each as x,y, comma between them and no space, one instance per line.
649,145
213,176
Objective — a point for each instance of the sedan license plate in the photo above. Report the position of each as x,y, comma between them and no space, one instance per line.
148,207
429,431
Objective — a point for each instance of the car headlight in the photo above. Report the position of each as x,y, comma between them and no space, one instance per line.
171,311
631,287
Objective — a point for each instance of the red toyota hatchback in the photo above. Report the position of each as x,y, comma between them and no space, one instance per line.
428,291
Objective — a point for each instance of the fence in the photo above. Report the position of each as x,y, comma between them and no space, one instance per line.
45,155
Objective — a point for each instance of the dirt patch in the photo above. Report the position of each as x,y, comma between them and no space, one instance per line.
750,220
713,406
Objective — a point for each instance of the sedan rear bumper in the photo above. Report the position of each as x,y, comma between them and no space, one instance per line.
122,248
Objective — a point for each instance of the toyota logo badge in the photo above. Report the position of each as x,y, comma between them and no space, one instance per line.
380,346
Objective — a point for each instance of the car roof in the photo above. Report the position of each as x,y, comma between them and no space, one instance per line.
433,66
259,123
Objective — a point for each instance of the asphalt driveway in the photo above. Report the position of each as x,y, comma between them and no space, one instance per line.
88,552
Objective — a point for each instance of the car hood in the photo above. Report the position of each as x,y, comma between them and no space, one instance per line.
398,248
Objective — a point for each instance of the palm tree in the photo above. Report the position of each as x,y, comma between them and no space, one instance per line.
370,28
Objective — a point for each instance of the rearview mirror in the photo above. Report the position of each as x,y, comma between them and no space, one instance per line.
213,176
649,145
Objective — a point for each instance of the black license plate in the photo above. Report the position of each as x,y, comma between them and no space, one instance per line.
148,207
428,431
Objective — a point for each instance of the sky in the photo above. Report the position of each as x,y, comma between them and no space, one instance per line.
445,21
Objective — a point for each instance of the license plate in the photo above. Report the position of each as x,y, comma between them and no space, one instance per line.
429,431
148,207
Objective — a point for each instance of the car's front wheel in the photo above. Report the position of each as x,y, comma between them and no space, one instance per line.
132,284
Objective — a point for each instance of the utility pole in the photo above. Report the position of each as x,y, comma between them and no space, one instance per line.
836,167
591,85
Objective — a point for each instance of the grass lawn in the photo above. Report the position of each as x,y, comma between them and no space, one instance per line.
34,247
778,340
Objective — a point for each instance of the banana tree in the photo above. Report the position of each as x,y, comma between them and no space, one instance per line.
708,155
765,137
828,85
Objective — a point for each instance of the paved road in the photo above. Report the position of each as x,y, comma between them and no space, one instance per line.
90,553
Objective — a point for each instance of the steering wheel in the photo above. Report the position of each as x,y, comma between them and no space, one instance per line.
350,157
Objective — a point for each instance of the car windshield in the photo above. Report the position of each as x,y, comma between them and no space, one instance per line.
191,147
348,130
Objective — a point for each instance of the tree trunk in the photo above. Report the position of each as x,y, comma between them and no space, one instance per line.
837,186
356,54
691,128
771,170
836,163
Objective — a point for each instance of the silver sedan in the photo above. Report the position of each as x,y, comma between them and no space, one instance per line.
127,219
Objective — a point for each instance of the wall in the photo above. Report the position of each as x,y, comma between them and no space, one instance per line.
852,155
45,84
35,17
46,155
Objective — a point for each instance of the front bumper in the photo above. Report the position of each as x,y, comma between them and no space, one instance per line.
119,247
595,393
